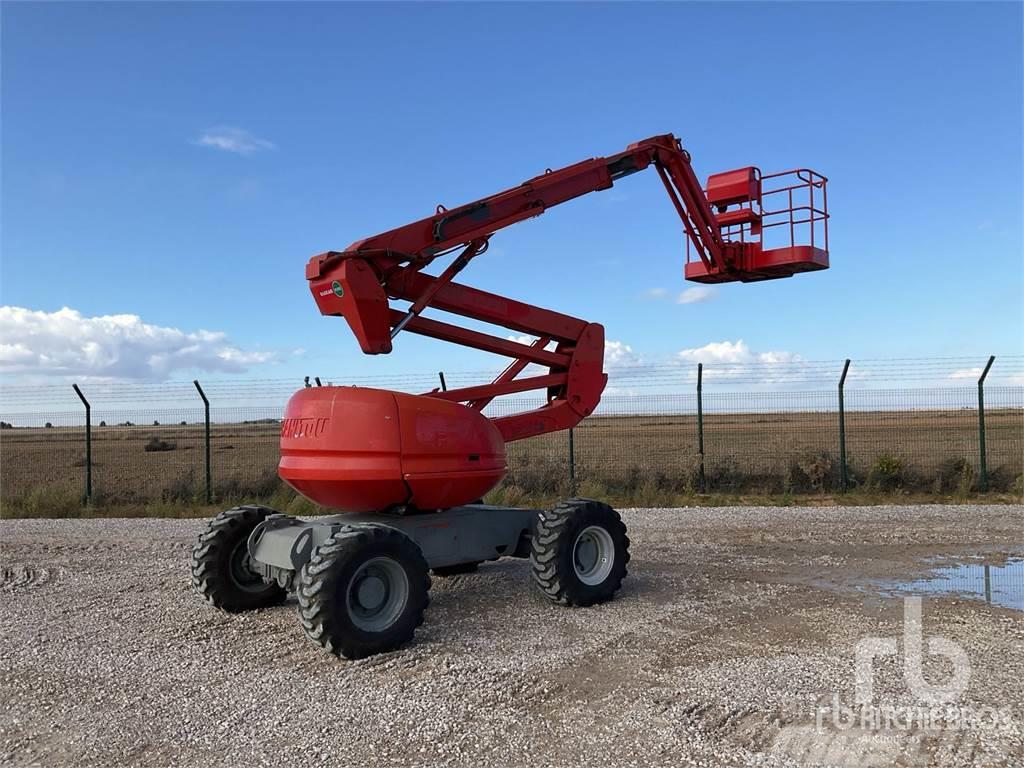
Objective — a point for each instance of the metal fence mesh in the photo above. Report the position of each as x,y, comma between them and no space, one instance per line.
760,442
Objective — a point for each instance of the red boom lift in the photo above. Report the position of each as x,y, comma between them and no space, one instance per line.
408,471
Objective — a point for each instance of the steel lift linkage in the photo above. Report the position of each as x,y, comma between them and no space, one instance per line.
408,472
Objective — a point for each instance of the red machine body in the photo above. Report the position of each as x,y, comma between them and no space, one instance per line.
366,450
360,450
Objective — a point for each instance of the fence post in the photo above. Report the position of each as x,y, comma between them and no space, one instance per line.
209,468
844,473
701,482
88,444
982,459
572,462
444,387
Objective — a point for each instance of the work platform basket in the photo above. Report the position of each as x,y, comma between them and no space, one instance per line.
780,222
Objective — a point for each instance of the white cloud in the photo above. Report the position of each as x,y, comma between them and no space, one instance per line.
612,391
619,355
116,346
527,340
734,359
237,140
696,295
995,376
693,295
966,373
616,354
718,352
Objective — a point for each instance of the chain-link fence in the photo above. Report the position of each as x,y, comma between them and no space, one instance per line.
924,439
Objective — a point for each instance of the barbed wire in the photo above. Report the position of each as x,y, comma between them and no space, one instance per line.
745,375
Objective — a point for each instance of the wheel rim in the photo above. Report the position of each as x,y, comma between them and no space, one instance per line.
241,575
377,594
593,555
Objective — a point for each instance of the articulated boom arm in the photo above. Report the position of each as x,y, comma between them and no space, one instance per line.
358,282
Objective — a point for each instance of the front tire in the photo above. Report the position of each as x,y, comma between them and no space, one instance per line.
363,591
579,552
220,563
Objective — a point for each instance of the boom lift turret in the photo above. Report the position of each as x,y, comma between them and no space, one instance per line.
408,471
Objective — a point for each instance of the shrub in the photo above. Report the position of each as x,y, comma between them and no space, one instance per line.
724,475
727,475
1004,479
539,475
156,444
282,497
816,471
508,496
888,473
266,485
300,506
693,470
182,488
103,423
1017,487
156,423
954,475
45,501
48,425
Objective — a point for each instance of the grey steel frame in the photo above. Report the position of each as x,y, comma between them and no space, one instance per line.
280,546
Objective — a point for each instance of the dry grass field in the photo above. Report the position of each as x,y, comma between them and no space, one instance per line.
628,457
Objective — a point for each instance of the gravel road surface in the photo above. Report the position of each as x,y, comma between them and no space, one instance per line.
729,644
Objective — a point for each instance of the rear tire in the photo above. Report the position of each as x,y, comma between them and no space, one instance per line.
579,552
363,591
220,563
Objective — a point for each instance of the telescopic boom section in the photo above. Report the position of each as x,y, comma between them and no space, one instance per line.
359,282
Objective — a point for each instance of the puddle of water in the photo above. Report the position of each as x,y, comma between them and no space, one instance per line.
996,584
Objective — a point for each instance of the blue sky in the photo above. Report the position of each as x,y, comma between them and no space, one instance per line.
358,118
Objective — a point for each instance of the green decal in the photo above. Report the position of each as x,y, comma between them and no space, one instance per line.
338,290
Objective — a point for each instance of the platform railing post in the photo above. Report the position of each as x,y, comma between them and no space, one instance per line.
701,480
982,458
88,444
844,472
206,441
444,386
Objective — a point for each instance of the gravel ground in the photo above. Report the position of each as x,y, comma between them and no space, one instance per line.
734,626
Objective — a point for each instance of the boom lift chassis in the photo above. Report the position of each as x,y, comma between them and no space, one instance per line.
409,471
